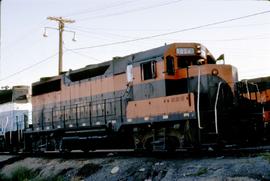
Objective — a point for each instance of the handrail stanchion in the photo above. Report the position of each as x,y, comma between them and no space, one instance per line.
216,120
198,98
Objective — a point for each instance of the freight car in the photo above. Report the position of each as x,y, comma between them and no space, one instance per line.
15,115
170,97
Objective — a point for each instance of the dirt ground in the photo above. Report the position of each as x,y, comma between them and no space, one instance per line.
123,168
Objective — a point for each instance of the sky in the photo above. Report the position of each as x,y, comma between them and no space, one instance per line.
239,29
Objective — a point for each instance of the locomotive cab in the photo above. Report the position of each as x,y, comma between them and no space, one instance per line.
181,57
179,60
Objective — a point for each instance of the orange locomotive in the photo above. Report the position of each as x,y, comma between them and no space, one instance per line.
170,97
262,89
257,90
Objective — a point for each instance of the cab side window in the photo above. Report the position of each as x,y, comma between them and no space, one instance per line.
182,63
170,65
148,70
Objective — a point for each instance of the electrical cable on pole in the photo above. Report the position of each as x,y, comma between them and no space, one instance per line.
61,25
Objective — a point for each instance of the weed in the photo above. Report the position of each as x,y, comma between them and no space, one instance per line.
265,155
3,177
23,174
54,178
200,172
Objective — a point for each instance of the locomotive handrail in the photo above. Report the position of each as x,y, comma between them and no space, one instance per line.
198,98
247,89
6,127
216,120
258,91
75,118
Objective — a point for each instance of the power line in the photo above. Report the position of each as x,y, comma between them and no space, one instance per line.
108,31
87,11
129,11
174,32
138,39
24,35
241,25
117,29
29,67
83,55
240,39
10,52
219,40
254,37
81,28
100,33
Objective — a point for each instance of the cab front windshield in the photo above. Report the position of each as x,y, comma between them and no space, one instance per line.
184,62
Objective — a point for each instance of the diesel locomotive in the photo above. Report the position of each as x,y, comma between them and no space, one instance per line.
258,91
171,97
15,115
261,93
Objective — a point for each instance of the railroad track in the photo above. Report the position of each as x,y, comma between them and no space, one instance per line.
178,154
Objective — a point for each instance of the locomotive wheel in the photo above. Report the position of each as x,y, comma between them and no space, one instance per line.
171,144
147,145
38,146
62,149
146,141
65,150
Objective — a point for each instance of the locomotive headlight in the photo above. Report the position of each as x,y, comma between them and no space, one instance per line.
215,72
203,53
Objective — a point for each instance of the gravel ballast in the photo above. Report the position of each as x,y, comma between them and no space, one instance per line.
116,168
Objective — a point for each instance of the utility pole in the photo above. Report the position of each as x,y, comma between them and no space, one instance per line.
0,38
61,25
